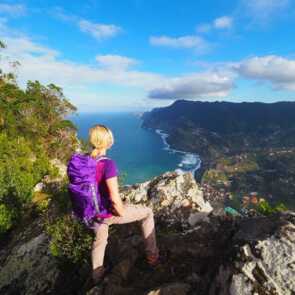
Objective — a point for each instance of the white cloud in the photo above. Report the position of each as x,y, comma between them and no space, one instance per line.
220,23
188,42
12,9
22,47
195,86
99,31
277,70
224,22
115,61
44,64
264,10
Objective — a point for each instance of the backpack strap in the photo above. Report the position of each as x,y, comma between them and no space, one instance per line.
99,171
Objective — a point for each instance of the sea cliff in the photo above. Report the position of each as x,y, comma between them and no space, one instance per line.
244,148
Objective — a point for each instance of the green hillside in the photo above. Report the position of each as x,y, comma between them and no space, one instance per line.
33,130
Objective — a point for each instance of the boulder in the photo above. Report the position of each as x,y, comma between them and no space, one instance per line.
29,268
173,197
264,260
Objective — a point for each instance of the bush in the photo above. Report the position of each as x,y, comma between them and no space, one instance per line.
41,202
20,168
70,239
266,209
6,218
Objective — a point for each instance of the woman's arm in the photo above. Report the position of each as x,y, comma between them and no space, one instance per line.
113,187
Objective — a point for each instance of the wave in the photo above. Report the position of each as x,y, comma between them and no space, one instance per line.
190,162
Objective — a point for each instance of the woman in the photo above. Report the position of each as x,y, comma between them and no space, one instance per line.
101,138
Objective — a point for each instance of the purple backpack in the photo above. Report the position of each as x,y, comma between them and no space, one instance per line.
83,188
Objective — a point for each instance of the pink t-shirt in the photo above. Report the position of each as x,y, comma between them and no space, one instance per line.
106,168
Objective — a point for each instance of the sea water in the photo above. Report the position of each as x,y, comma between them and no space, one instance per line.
141,154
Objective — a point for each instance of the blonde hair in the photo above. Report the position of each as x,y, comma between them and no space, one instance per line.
100,137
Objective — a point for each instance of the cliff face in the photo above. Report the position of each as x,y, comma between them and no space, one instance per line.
206,253
244,147
215,128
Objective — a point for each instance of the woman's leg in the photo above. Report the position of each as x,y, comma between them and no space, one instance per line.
145,216
98,249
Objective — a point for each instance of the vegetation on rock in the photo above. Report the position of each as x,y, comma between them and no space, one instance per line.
32,131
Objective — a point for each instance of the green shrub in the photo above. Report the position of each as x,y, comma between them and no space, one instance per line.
70,239
20,168
6,218
266,209
41,202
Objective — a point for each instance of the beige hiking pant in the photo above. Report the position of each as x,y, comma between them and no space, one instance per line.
131,213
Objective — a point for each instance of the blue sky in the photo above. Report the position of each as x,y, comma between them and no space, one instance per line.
112,55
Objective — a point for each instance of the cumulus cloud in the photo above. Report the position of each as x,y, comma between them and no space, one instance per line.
23,46
115,61
187,42
99,31
264,10
195,86
220,23
277,70
45,64
12,9
224,22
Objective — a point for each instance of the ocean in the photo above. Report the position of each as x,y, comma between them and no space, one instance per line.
140,154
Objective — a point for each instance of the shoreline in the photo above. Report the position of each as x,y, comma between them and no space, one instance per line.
189,158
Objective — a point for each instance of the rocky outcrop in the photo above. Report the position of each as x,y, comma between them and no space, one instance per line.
222,257
27,266
202,253
264,262
175,198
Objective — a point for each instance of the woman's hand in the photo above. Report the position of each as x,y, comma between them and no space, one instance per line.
113,187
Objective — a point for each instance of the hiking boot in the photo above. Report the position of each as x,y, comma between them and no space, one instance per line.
155,260
98,274
97,278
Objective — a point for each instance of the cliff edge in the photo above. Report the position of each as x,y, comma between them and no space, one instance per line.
206,253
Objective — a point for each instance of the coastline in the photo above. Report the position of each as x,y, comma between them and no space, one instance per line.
190,161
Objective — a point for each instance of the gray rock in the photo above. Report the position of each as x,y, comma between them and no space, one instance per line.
171,289
29,269
212,255
265,261
172,196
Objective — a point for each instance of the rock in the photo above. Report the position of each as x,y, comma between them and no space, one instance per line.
213,255
27,266
172,196
38,187
195,218
171,289
265,260
30,268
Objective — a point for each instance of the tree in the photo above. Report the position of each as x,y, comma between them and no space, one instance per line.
33,130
